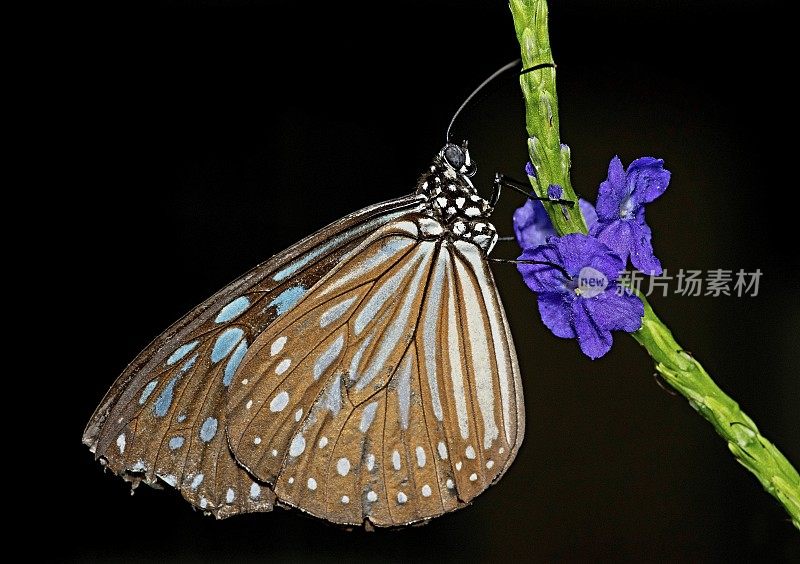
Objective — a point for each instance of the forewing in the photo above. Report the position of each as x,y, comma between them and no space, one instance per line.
390,392
165,415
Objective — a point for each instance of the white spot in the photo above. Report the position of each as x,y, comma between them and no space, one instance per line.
442,201
298,414
501,450
298,445
257,440
442,451
323,442
203,503
460,202
458,465
139,466
255,490
249,404
343,466
472,212
370,462
451,210
473,477
401,497
328,357
345,499
196,481
396,460
291,479
245,382
449,484
121,443
420,457
333,397
274,452
170,479
372,496
430,227
470,452
312,484
459,227
367,416
277,346
404,391
426,491
283,366
279,402
335,312
230,495
489,464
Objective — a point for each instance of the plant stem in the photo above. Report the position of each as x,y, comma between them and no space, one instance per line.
551,161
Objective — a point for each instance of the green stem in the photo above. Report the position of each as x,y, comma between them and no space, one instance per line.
683,372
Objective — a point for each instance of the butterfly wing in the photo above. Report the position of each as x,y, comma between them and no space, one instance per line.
391,391
164,418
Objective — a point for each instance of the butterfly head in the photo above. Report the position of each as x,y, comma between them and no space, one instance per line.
453,200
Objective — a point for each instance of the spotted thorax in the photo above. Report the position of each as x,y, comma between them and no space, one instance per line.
453,200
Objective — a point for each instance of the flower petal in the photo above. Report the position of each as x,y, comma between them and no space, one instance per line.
612,191
556,312
554,192
579,251
541,277
593,340
616,312
532,227
641,247
616,235
588,211
647,179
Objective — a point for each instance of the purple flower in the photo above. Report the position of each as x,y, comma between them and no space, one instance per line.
620,210
578,291
532,226
554,192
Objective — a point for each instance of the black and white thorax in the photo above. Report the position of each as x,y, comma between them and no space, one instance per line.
453,201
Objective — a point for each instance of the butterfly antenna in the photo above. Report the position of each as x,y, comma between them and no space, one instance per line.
494,75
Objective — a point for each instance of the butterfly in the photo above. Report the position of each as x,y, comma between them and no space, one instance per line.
365,375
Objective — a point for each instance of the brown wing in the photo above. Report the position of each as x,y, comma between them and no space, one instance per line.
391,392
165,415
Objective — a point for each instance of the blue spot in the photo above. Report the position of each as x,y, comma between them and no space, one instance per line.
181,418
181,352
188,364
165,399
233,309
225,343
175,443
233,362
286,299
208,430
148,389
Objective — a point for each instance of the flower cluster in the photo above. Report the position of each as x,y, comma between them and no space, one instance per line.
577,276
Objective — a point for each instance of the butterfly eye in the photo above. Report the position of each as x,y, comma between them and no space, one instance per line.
454,156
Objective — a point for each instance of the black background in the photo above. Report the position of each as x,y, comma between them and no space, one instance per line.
198,144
